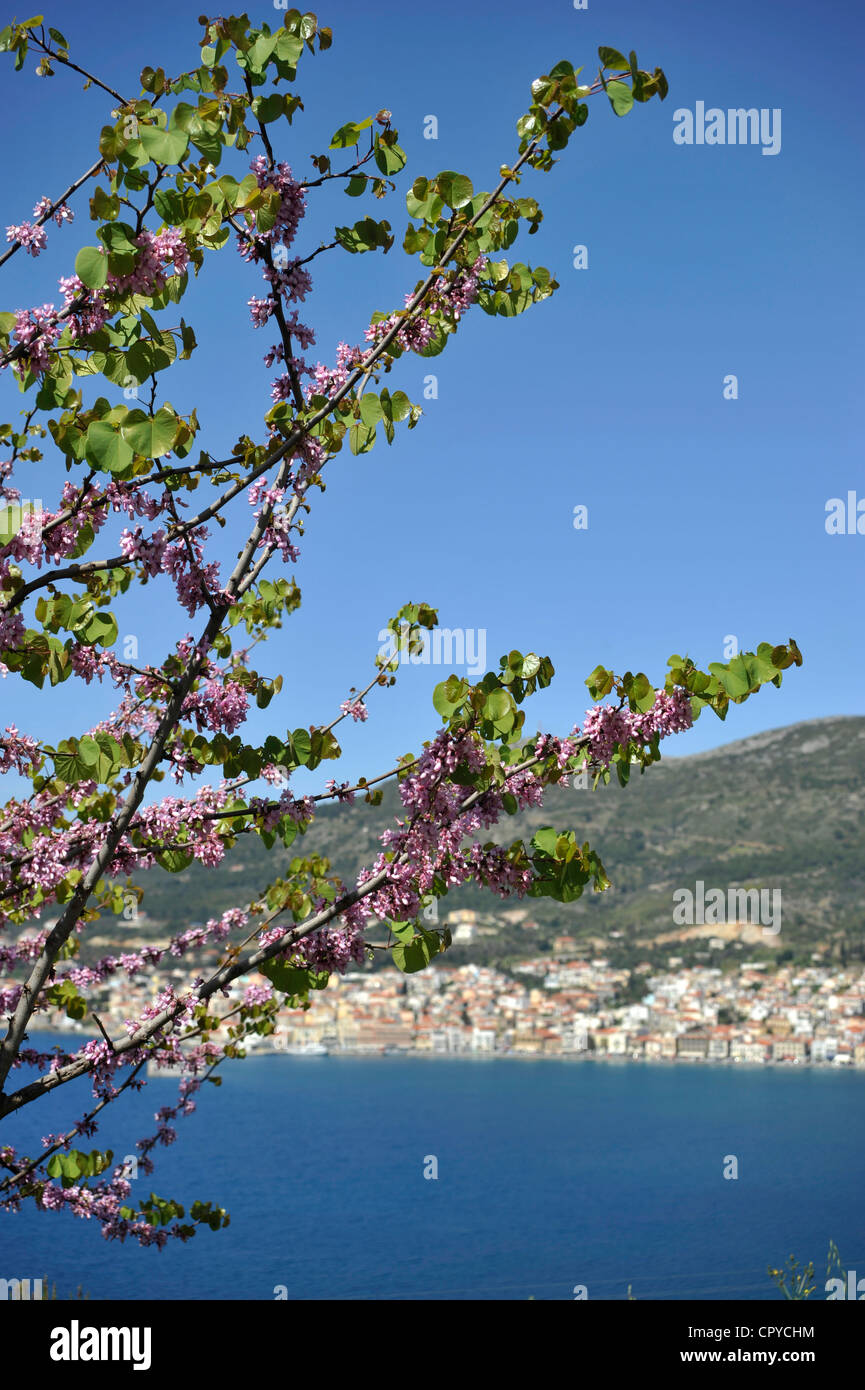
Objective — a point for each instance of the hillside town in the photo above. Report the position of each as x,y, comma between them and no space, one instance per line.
793,1016
561,1004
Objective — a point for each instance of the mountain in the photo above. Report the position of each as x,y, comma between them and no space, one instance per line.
781,810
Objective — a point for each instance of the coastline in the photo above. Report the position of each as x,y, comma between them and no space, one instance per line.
509,1056
577,1057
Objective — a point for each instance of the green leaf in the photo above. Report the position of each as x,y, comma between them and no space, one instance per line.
119,239
269,108
100,627
449,695
435,345
104,204
293,980
612,58
621,97
301,745
75,1164
500,710
70,768
89,751
267,213
735,678
390,158
418,954
415,239
365,235
422,201
403,931
287,978
288,47
164,146
150,355
150,435
455,189
361,439
600,683
58,1166
258,55
169,204
209,145
91,267
106,448
370,409
546,840
174,860
349,134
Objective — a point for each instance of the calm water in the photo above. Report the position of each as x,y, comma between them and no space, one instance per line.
550,1174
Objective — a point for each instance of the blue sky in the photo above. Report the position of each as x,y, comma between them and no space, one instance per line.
706,515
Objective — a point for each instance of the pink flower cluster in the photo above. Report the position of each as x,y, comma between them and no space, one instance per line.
174,819
194,579
341,790
158,250
61,213
32,237
291,209
356,708
288,283
607,727
449,298
430,844
218,706
148,551
105,1200
326,380
287,280
18,751
332,949
277,533
11,632
38,329
260,310
133,963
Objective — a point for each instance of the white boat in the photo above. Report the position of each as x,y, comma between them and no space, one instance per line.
304,1049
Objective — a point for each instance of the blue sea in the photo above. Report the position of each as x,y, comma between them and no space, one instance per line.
550,1175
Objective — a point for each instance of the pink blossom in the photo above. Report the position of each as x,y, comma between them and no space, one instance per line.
33,239
356,708
61,213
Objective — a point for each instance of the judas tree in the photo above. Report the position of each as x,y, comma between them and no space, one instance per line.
138,507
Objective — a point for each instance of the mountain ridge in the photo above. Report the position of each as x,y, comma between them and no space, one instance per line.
781,809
